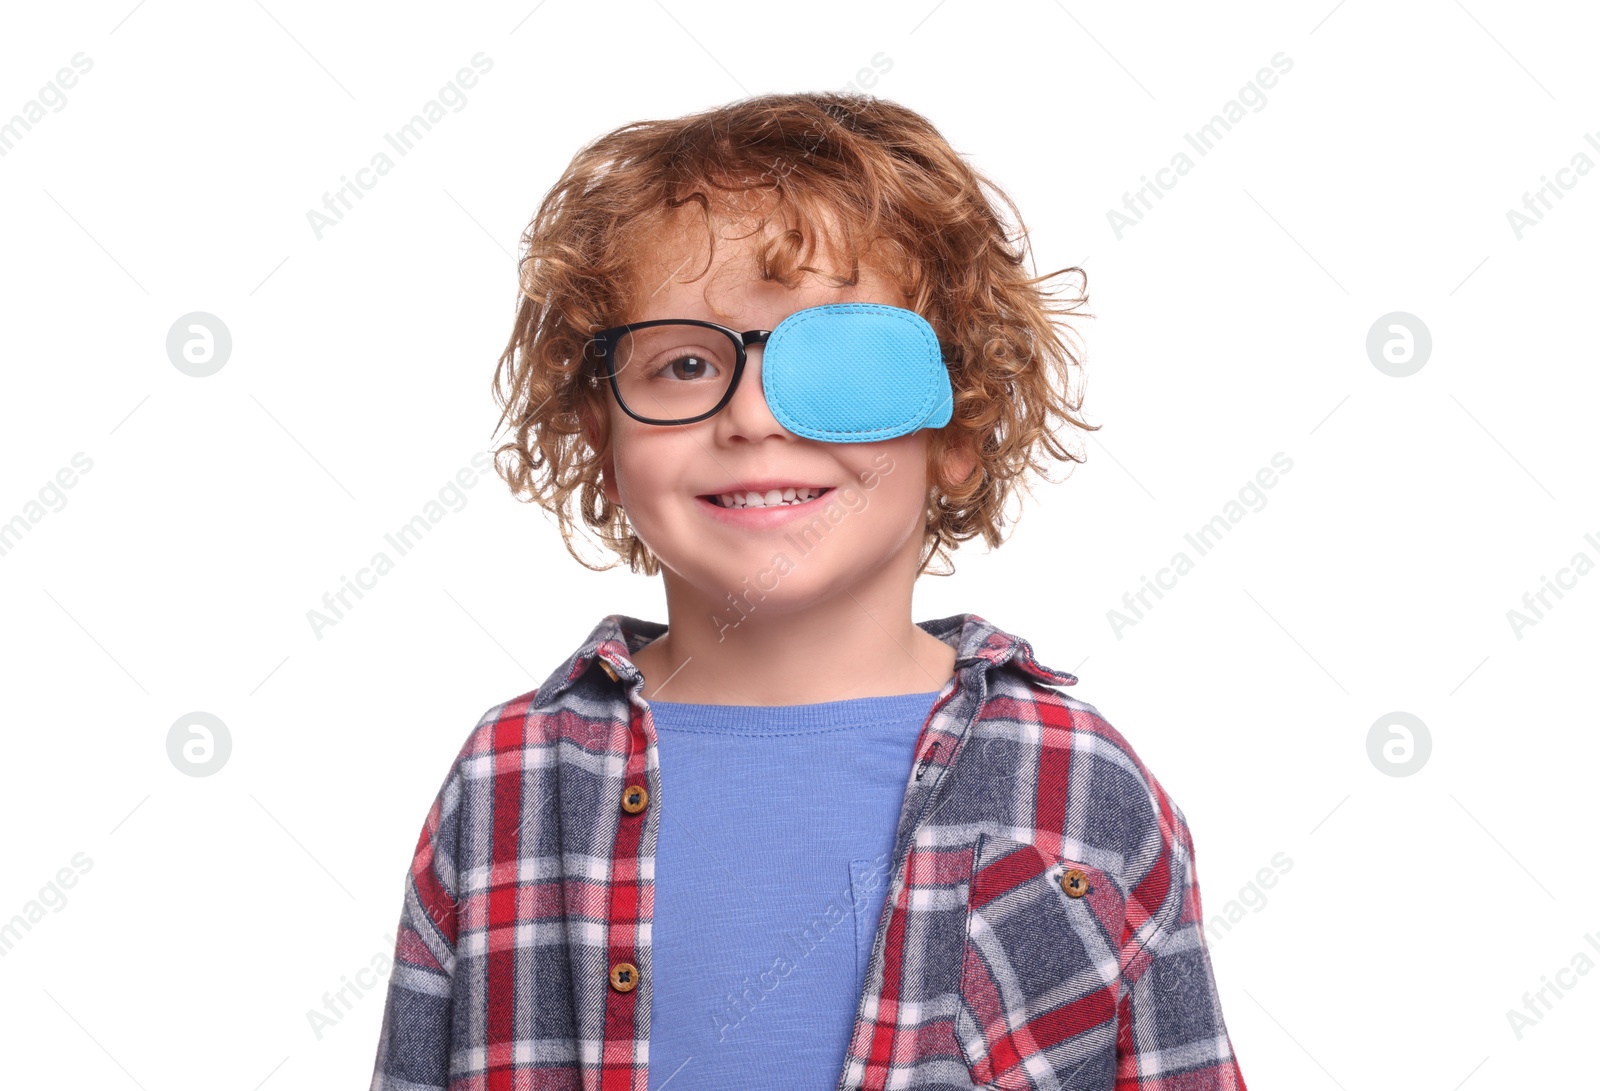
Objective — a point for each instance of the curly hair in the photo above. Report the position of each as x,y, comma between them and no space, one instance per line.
888,183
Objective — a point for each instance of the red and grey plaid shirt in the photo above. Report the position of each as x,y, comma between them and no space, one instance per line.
1041,928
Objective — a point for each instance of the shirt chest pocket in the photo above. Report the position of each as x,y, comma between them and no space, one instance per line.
1040,983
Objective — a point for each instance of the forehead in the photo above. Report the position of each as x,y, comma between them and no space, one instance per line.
671,277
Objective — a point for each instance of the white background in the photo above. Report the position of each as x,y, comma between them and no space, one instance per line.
1231,324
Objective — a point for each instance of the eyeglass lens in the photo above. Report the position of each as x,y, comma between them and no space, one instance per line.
674,371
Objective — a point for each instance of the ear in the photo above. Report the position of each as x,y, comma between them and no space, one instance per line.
608,467
608,480
591,430
959,462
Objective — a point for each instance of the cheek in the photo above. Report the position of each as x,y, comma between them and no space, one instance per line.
892,478
623,471
650,466
633,483
897,468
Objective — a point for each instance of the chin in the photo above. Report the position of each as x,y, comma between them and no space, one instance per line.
812,585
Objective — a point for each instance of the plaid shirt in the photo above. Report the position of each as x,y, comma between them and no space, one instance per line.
1041,928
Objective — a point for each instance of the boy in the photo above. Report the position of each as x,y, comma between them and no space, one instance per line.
783,354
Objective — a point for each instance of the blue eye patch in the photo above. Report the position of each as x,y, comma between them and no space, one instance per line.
855,373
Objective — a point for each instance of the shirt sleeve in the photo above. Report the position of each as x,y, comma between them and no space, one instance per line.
414,1046
1171,1035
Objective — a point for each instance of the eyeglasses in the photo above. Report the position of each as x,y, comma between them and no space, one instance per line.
674,370
848,371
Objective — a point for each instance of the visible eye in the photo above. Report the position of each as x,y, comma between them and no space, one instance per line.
687,368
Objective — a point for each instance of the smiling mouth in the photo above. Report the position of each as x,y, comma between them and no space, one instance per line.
772,498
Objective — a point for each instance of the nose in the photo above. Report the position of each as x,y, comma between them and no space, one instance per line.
747,413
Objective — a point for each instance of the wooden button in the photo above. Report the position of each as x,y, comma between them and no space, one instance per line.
1074,882
635,798
607,668
624,976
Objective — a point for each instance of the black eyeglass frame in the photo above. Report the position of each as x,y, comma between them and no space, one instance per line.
606,341
604,346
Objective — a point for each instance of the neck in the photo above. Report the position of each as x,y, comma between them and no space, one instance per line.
777,649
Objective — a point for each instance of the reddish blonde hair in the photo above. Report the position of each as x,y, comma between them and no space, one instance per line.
848,174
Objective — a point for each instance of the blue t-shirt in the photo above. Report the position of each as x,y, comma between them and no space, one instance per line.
773,856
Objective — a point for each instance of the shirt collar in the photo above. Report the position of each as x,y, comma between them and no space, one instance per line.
611,643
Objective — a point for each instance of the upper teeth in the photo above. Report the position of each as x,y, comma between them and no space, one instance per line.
768,499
